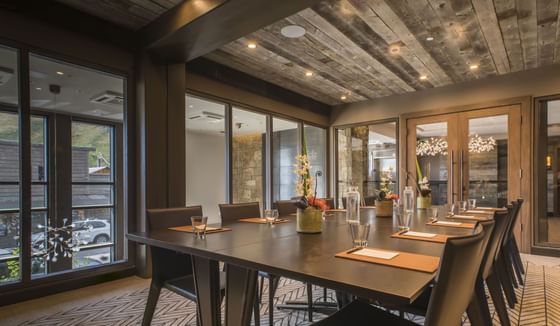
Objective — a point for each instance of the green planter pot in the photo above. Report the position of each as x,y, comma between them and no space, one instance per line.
424,202
309,220
384,208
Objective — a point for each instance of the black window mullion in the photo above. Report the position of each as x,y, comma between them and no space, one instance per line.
25,165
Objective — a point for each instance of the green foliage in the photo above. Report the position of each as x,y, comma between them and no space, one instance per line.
13,268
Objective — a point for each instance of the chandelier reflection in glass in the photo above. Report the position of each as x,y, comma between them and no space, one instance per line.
478,144
58,242
434,146
431,147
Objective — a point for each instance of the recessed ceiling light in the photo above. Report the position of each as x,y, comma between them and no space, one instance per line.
309,74
59,73
343,97
429,38
38,88
252,46
293,31
473,67
191,106
394,49
423,77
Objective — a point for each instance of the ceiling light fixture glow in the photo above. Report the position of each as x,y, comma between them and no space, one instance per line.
38,88
423,77
309,74
429,38
473,67
59,73
343,97
293,31
394,49
252,46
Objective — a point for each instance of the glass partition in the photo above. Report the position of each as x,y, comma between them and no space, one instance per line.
316,141
285,147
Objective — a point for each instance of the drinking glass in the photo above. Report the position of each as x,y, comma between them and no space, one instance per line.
472,203
199,226
360,233
404,218
271,215
353,205
435,212
453,208
460,206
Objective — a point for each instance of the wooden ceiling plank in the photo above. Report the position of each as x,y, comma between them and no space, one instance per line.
527,20
239,64
547,19
307,50
167,4
339,15
341,54
154,8
507,19
128,7
393,22
557,48
423,27
269,59
488,22
385,75
109,12
470,29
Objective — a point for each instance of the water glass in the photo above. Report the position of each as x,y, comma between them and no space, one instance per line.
360,233
404,218
199,224
435,212
271,215
472,203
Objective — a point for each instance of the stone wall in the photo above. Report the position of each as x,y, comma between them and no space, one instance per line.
248,161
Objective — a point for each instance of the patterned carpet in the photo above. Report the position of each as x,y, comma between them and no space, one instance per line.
539,304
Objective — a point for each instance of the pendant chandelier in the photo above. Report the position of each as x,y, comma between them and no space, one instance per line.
431,147
478,144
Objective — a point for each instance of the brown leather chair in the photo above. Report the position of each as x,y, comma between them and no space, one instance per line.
285,207
230,213
504,264
451,293
171,270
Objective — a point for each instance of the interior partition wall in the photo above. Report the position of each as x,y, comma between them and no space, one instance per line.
249,152
62,170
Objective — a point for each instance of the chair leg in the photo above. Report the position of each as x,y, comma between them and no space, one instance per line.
508,263
478,311
505,280
310,301
153,296
272,286
256,311
516,259
498,299
325,294
261,287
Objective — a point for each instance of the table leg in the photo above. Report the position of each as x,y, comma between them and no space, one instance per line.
207,285
241,289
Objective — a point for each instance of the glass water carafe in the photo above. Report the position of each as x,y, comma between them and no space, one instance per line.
353,205
408,199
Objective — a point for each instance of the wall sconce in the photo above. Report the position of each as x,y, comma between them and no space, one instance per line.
548,161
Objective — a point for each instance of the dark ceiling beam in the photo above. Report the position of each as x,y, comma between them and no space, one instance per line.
235,78
198,27
65,17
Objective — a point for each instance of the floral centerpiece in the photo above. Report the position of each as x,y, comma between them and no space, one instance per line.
424,199
384,202
309,207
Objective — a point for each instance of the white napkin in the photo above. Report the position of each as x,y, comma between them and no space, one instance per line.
376,253
419,234
447,223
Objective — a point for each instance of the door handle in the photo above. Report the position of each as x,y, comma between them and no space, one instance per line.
462,189
451,177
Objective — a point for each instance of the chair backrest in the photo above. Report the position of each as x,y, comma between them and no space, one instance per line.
515,218
163,218
232,212
370,200
501,220
456,278
515,205
285,207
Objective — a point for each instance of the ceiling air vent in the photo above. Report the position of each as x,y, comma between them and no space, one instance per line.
208,116
5,75
108,97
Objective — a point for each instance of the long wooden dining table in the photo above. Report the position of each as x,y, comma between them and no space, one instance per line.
280,250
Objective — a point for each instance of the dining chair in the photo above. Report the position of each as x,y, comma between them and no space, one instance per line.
171,270
285,207
451,293
369,200
231,213
513,249
504,265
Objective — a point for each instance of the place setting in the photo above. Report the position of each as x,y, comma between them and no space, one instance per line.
434,221
270,217
199,227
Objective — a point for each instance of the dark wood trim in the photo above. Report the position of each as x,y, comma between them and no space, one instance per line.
118,179
235,78
56,14
25,164
229,153
192,30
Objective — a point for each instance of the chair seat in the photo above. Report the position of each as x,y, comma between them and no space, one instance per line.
184,286
359,313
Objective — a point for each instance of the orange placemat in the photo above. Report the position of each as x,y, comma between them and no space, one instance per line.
469,217
491,209
415,262
452,224
260,220
189,229
439,238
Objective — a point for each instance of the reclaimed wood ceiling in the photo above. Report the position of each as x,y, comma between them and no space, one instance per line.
348,45
132,14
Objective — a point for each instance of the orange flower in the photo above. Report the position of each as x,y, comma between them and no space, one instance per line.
318,203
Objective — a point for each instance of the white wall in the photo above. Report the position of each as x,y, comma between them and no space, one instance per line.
205,172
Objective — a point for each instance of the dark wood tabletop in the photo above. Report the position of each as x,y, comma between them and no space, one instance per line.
280,250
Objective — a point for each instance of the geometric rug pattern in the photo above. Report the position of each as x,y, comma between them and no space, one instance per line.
538,304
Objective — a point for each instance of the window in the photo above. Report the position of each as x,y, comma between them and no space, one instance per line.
367,159
205,155
316,142
285,146
248,152
10,246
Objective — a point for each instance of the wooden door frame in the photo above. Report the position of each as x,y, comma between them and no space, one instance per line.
526,153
